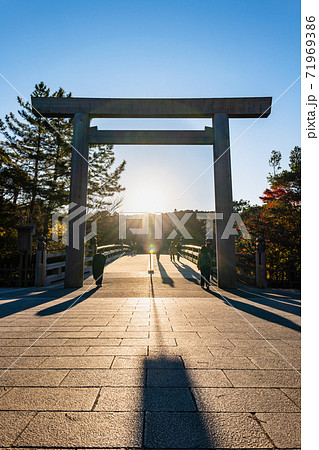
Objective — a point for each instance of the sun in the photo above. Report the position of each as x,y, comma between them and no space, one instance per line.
146,198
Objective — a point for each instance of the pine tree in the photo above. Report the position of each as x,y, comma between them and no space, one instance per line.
290,179
35,158
274,160
35,147
103,182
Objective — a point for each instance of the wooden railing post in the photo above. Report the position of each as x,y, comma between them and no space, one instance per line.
41,263
261,272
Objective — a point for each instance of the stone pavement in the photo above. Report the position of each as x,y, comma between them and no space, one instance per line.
149,363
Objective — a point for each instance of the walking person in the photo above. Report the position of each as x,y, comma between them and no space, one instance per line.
210,248
98,264
158,250
204,264
178,249
172,251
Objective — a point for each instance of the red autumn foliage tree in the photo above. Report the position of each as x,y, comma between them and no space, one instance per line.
278,220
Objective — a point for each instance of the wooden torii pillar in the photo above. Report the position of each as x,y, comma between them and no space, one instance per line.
83,109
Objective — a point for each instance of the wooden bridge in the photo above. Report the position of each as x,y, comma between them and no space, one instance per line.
149,362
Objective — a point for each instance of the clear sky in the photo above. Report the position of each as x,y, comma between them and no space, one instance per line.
174,48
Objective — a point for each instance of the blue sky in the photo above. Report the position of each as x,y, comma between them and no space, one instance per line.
180,48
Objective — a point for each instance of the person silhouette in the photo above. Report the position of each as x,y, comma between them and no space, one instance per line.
204,264
172,251
98,264
158,250
178,249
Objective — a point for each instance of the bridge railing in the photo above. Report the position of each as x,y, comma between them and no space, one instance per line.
191,252
55,266
55,262
246,268
245,264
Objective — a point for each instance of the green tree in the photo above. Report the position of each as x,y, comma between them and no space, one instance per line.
278,220
103,179
38,168
290,179
35,157
274,160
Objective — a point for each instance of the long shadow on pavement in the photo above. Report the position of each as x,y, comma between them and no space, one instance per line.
188,273
63,306
256,311
166,279
278,295
33,299
171,417
275,303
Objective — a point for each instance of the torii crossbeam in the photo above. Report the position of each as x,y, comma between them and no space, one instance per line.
82,110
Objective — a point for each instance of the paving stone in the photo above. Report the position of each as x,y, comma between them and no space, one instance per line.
157,342
128,362
275,362
164,362
57,351
242,400
64,328
77,362
104,377
263,378
129,351
145,399
261,343
12,351
295,343
125,334
120,398
91,342
236,351
181,378
187,335
218,362
41,399
21,335
12,328
283,428
36,343
179,351
11,425
73,334
131,362
5,342
294,395
218,335
33,377
208,430
79,429
4,390
21,362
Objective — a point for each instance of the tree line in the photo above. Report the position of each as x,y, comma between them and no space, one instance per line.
35,166
278,220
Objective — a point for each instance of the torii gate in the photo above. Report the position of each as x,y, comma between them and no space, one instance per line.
219,109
